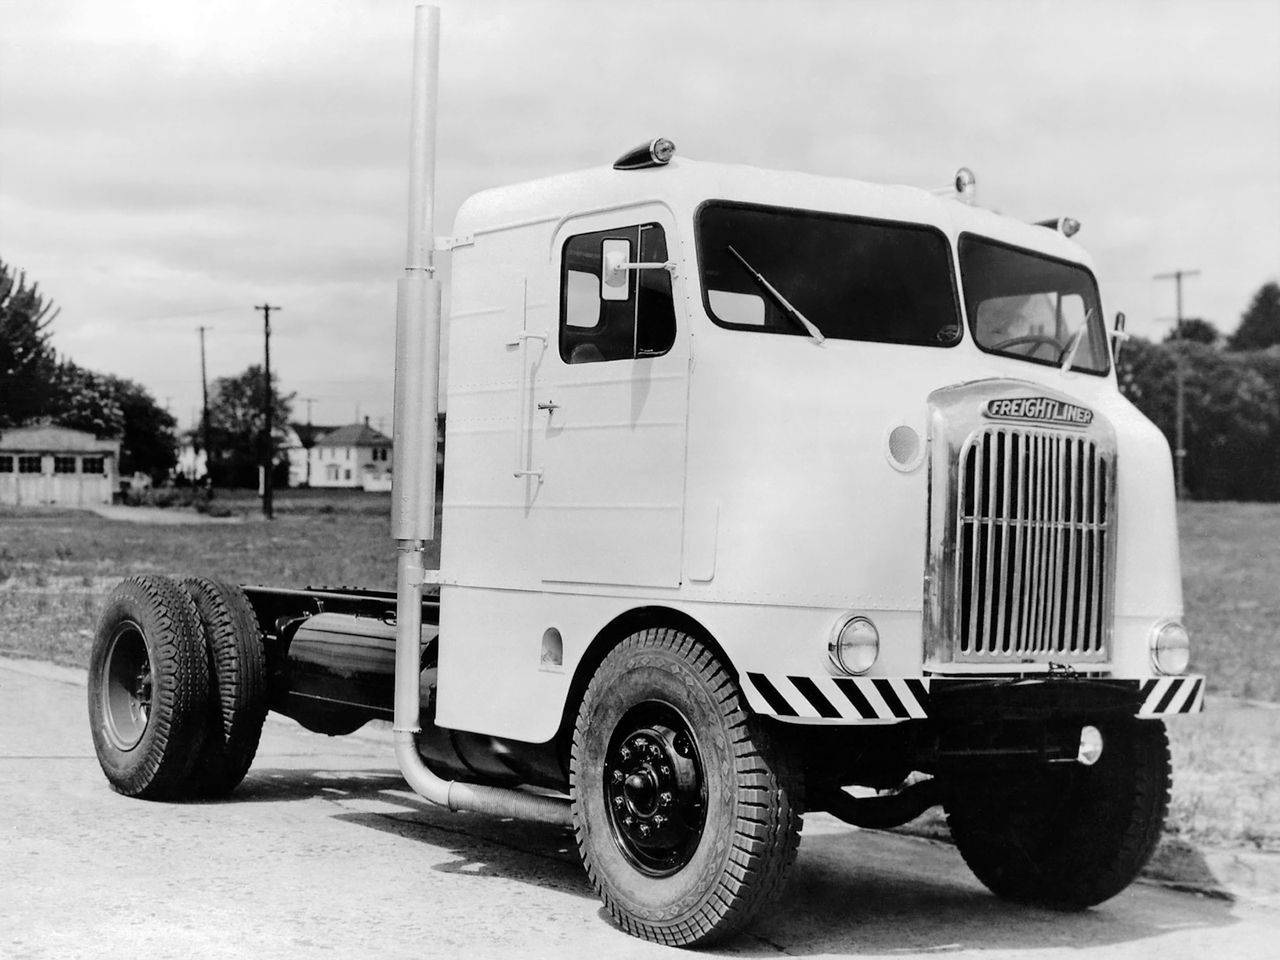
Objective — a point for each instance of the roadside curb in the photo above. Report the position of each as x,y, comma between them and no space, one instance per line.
1226,874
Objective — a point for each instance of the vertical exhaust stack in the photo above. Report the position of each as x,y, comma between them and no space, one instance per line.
418,308
414,458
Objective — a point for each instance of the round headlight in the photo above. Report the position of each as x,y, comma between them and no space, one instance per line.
855,645
1170,647
1090,751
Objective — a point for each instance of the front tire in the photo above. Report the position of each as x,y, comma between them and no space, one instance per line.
1067,836
686,814
148,686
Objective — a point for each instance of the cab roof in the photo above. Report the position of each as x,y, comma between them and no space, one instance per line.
683,185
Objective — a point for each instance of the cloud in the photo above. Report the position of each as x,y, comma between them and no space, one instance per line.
162,160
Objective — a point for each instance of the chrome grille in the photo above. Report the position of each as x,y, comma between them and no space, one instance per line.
1032,515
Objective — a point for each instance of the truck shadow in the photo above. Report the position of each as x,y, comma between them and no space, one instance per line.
863,892
851,891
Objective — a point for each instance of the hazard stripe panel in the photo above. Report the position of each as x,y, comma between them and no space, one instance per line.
846,699
838,698
1171,695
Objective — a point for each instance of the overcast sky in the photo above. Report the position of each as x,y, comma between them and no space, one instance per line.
170,163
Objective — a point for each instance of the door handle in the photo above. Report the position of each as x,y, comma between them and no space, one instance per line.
550,406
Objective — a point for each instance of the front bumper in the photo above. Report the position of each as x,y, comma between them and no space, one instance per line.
845,700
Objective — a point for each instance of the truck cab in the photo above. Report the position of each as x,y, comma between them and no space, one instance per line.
867,437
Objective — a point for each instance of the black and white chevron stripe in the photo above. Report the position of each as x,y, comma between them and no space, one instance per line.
852,699
1167,695
841,698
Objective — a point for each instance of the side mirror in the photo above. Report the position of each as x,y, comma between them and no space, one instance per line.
1118,336
615,281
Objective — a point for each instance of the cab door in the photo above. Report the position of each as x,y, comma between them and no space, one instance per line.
610,406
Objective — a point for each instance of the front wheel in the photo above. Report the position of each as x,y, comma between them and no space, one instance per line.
687,816
1067,836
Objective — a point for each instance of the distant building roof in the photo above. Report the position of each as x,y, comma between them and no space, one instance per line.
309,433
49,438
354,435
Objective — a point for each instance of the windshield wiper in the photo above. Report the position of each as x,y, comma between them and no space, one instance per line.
781,300
1069,354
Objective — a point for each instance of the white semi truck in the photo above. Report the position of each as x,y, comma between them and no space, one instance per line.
765,493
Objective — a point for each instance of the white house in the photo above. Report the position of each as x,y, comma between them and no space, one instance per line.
57,466
355,456
192,463
299,440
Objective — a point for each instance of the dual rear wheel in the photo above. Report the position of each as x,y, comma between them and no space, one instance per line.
177,687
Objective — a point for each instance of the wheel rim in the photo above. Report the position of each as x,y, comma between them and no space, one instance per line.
127,692
654,789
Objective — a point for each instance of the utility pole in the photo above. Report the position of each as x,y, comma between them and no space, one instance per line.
1180,415
204,417
268,441
311,440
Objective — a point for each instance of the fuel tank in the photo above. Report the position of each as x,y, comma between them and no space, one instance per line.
339,673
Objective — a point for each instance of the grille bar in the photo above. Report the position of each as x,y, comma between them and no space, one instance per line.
1032,529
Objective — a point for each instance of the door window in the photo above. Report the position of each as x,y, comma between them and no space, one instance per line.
594,329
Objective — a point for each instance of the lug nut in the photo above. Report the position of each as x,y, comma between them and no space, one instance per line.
625,753
659,819
618,802
617,776
644,829
665,798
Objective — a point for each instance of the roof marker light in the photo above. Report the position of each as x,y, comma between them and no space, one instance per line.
966,184
655,153
1066,226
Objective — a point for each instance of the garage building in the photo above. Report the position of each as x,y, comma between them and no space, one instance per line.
48,465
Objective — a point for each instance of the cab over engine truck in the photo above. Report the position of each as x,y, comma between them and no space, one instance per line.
765,493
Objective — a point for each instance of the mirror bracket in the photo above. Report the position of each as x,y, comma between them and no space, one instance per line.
616,281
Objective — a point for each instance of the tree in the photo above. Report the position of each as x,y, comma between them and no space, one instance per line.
236,416
1196,330
1232,413
27,361
1260,324
84,400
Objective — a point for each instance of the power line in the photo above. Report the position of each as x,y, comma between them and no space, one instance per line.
184,315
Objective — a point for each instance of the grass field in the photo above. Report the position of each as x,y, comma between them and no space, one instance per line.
56,568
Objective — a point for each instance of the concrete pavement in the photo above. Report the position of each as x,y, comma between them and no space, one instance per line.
323,852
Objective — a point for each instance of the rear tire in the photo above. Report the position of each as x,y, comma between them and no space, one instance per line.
1067,836
148,686
687,816
237,685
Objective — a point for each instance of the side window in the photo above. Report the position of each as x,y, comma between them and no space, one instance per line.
6,464
64,464
593,329
29,465
94,465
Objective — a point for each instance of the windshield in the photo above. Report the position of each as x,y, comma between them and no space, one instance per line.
1029,306
794,272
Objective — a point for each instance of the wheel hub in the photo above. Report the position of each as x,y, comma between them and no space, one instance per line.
654,790
127,692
